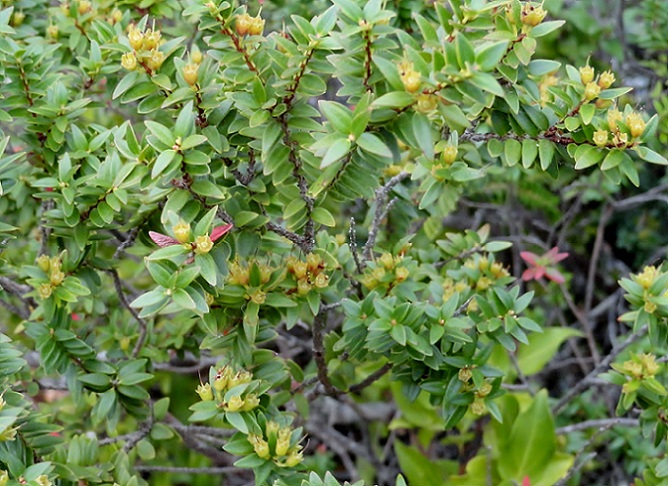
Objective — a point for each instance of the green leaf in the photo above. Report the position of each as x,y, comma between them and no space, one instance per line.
542,347
587,113
529,152
650,156
161,132
587,155
336,151
423,135
338,116
464,51
372,144
545,28
324,217
613,159
545,153
162,162
490,55
394,99
512,151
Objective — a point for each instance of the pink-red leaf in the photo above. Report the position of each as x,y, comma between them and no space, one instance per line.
219,231
162,240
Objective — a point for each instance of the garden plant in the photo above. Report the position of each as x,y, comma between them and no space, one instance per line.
384,242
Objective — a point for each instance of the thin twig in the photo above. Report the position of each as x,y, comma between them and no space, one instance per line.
352,242
319,353
380,213
591,424
143,325
370,379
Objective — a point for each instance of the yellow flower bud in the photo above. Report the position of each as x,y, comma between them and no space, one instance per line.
412,81
483,283
606,79
203,244
650,365
313,261
649,307
601,138
129,61
84,7
635,123
190,73
44,291
449,154
240,378
204,392
8,435
387,260
401,274
647,277
282,446
498,271
18,18
586,74
532,16
196,56
52,31
592,90
44,263
272,428
181,232
115,17
4,477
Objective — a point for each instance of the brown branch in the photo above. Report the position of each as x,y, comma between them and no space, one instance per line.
319,353
369,380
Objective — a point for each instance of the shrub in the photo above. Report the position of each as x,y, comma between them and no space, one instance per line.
186,191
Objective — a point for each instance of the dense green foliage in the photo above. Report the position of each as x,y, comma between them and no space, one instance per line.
345,244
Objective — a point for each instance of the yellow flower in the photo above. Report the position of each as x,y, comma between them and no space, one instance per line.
190,73
464,374
84,7
303,287
258,297
256,26
234,404
412,81
485,389
196,56
478,407
321,281
647,277
151,40
532,16
250,402
136,37
43,480
601,138
426,103
18,18
294,458
129,61
260,445
44,263
592,90
155,61
52,31
620,139
635,123
240,378
44,291
57,278
8,435
650,365
614,116
4,477
606,79
586,74
181,232
204,392
203,244
401,274
243,23
115,17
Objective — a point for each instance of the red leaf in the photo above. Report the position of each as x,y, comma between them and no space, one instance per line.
162,240
529,257
526,481
219,231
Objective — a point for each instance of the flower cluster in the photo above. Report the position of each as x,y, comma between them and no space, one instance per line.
280,444
478,272
145,50
640,370
247,25
308,274
52,268
387,271
225,380
480,391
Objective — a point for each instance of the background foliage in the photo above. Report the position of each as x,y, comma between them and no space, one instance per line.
388,242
